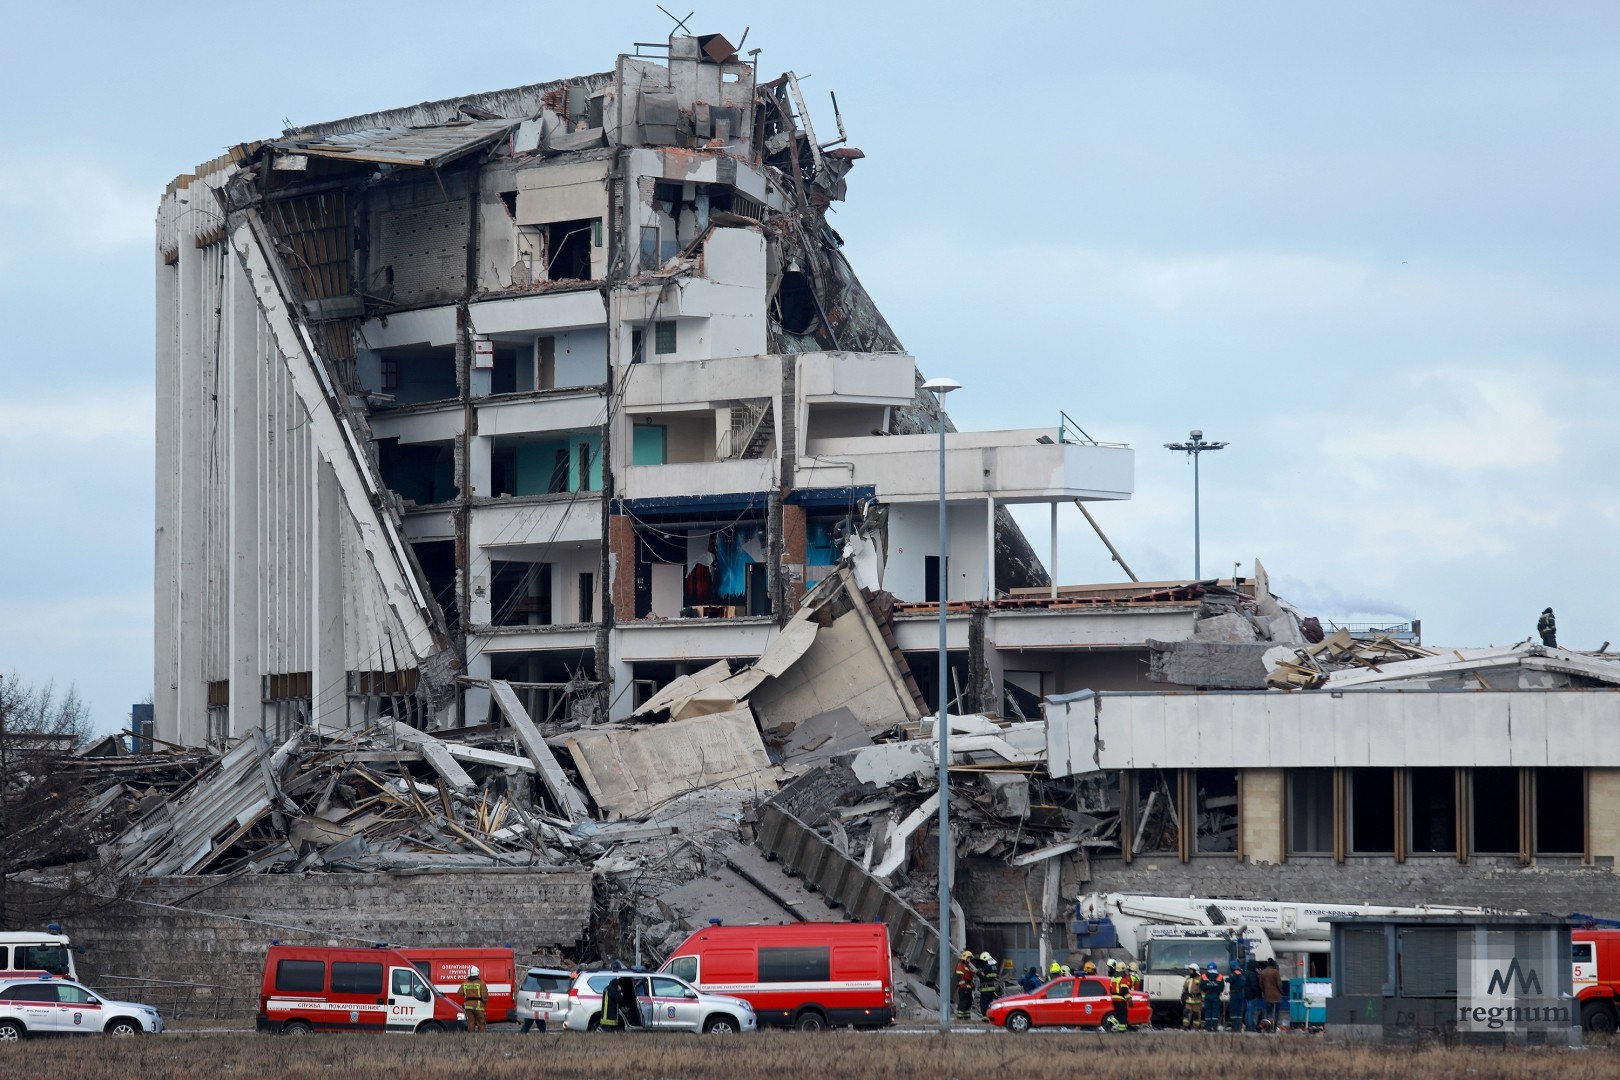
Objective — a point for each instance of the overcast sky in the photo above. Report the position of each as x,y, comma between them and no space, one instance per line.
1372,246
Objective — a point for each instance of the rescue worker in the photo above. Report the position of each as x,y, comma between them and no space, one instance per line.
1251,996
1192,998
1088,968
1136,975
1236,994
474,1000
612,1008
1212,985
1031,981
966,974
1065,971
989,983
1054,971
1547,627
1119,989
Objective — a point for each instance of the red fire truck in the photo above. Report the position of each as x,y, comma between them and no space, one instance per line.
808,976
1596,955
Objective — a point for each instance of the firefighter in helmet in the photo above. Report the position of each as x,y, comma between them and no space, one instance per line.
474,1000
966,975
1119,989
989,982
1192,998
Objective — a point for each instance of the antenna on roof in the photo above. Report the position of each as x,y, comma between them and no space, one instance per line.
680,24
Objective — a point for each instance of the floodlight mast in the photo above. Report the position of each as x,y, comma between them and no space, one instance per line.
1194,446
942,727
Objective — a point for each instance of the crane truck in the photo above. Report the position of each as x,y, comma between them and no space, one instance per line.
1167,933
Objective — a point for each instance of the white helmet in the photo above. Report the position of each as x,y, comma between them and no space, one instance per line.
472,972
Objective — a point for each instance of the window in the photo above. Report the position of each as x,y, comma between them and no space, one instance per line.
51,958
1155,818
1310,811
587,598
349,977
664,340
404,983
1092,988
1496,811
1365,965
1434,810
638,346
28,992
1059,989
1217,798
1372,811
568,249
667,988
803,963
390,374
76,995
649,247
1560,812
684,967
301,976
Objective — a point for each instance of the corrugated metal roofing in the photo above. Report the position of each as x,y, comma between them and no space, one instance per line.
424,146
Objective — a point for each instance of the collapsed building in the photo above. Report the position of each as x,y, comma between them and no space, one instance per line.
540,491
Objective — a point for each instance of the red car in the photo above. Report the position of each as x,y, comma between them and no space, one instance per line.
1072,1001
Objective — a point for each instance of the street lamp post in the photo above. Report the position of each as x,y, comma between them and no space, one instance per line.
942,728
1194,446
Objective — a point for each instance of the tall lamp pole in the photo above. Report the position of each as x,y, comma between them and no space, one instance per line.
1194,446
942,729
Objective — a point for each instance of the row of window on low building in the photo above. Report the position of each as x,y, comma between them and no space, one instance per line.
1342,812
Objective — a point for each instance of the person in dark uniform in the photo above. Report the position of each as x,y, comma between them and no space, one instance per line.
1547,627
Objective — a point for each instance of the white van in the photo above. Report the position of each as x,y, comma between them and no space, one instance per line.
27,953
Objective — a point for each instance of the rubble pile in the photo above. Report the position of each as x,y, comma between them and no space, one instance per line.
1309,668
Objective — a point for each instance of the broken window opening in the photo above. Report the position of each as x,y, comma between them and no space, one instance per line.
1217,820
1021,695
638,346
1433,810
437,558
420,473
568,249
1496,811
931,578
1372,811
1155,818
795,303
510,375
1560,811
649,248
925,670
519,593
509,200
1310,812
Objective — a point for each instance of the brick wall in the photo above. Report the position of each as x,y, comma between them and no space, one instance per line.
219,936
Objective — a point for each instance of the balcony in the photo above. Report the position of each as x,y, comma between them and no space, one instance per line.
1012,466
738,475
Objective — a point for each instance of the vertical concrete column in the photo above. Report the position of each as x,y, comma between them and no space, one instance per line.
990,547
479,454
196,342
475,699
794,554
329,677
622,566
1054,552
1260,814
1603,814
166,523
244,417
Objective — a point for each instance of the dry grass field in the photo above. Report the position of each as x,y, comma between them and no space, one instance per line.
1045,1056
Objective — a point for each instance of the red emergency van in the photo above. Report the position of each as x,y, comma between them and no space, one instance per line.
447,969
808,976
308,988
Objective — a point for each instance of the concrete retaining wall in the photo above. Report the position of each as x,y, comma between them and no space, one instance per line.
148,949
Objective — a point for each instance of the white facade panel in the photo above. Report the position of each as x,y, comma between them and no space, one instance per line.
541,313
1352,729
699,478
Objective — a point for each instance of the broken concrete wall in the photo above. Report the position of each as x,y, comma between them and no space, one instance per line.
1221,664
631,771
849,666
